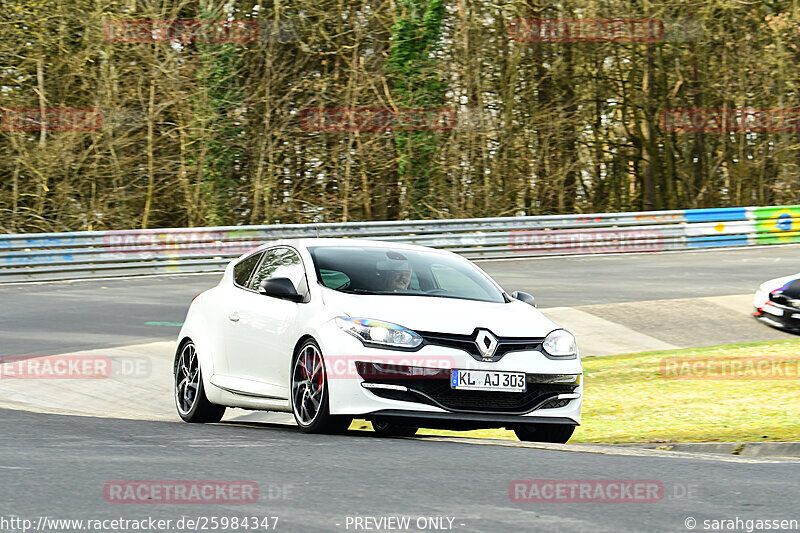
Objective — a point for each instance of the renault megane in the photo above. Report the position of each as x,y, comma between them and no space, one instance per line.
404,336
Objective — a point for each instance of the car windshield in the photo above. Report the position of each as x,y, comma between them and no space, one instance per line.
370,270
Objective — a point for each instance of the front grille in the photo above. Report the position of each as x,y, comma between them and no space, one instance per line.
467,343
555,404
438,392
788,295
784,300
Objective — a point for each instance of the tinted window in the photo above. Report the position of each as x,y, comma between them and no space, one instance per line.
455,281
242,271
281,263
371,270
334,279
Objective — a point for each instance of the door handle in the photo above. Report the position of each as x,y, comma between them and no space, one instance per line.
233,317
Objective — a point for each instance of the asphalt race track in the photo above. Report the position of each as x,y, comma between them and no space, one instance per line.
57,466
664,296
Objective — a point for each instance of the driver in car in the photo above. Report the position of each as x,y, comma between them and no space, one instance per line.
395,273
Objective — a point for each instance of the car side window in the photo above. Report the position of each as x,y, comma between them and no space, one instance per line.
281,263
334,279
243,270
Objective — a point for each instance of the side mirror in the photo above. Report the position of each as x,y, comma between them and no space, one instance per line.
282,288
524,297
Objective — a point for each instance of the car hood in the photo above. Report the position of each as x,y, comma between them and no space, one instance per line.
775,284
444,315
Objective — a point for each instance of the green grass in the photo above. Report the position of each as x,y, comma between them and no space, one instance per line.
628,399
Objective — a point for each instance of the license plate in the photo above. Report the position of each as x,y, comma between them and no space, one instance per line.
487,380
769,308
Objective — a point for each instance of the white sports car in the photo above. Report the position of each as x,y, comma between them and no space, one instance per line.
404,336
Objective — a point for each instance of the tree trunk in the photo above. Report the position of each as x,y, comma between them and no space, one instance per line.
148,202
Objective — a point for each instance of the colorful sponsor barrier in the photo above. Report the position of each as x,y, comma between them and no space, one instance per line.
715,215
777,225
96,254
710,228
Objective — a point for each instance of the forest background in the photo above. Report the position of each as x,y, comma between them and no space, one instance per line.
191,132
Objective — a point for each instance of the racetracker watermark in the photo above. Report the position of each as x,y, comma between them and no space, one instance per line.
586,491
181,492
730,368
574,241
74,367
180,243
148,523
183,31
51,119
698,120
377,119
401,366
618,30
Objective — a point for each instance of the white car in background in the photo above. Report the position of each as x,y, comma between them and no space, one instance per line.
404,336
777,303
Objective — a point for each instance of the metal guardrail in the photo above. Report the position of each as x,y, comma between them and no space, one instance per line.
92,254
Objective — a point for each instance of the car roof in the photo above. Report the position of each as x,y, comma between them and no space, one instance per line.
367,243
305,243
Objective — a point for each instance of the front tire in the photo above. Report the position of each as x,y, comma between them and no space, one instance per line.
190,396
556,433
310,393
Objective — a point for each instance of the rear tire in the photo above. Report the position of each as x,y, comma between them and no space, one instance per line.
557,433
310,393
385,428
190,395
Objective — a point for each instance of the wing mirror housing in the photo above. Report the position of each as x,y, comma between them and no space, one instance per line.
524,297
282,288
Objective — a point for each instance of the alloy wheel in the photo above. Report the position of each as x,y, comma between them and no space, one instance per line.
187,379
308,385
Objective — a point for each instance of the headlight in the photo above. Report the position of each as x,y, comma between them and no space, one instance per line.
560,343
379,333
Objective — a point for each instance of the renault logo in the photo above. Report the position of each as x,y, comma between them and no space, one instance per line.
486,343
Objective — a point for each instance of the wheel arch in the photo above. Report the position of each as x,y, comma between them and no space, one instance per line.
178,349
302,340
196,331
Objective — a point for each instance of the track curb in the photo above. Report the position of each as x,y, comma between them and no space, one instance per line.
745,449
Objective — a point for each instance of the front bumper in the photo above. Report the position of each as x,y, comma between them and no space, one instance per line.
548,396
463,421
779,316
431,386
